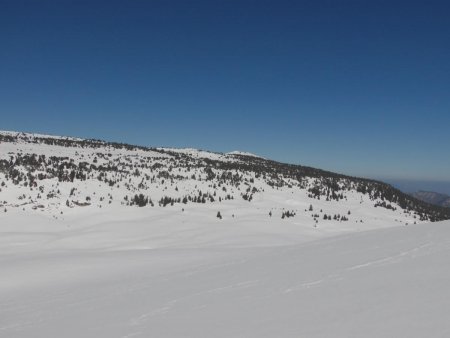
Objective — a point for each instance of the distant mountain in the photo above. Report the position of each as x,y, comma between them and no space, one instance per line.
55,175
433,198
409,185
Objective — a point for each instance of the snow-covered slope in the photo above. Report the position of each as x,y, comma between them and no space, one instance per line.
81,280
58,176
103,239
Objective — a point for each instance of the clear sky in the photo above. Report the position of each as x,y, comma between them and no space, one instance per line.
358,87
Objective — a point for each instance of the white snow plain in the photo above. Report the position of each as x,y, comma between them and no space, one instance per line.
128,273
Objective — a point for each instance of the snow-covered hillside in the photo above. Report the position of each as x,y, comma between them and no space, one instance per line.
59,176
103,239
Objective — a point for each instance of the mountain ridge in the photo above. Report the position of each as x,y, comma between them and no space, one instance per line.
140,175
432,197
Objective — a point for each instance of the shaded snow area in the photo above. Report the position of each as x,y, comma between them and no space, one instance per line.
134,275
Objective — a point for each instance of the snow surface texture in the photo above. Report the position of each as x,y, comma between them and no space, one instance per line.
99,267
142,277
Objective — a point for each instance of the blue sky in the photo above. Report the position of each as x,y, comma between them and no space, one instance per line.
358,87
